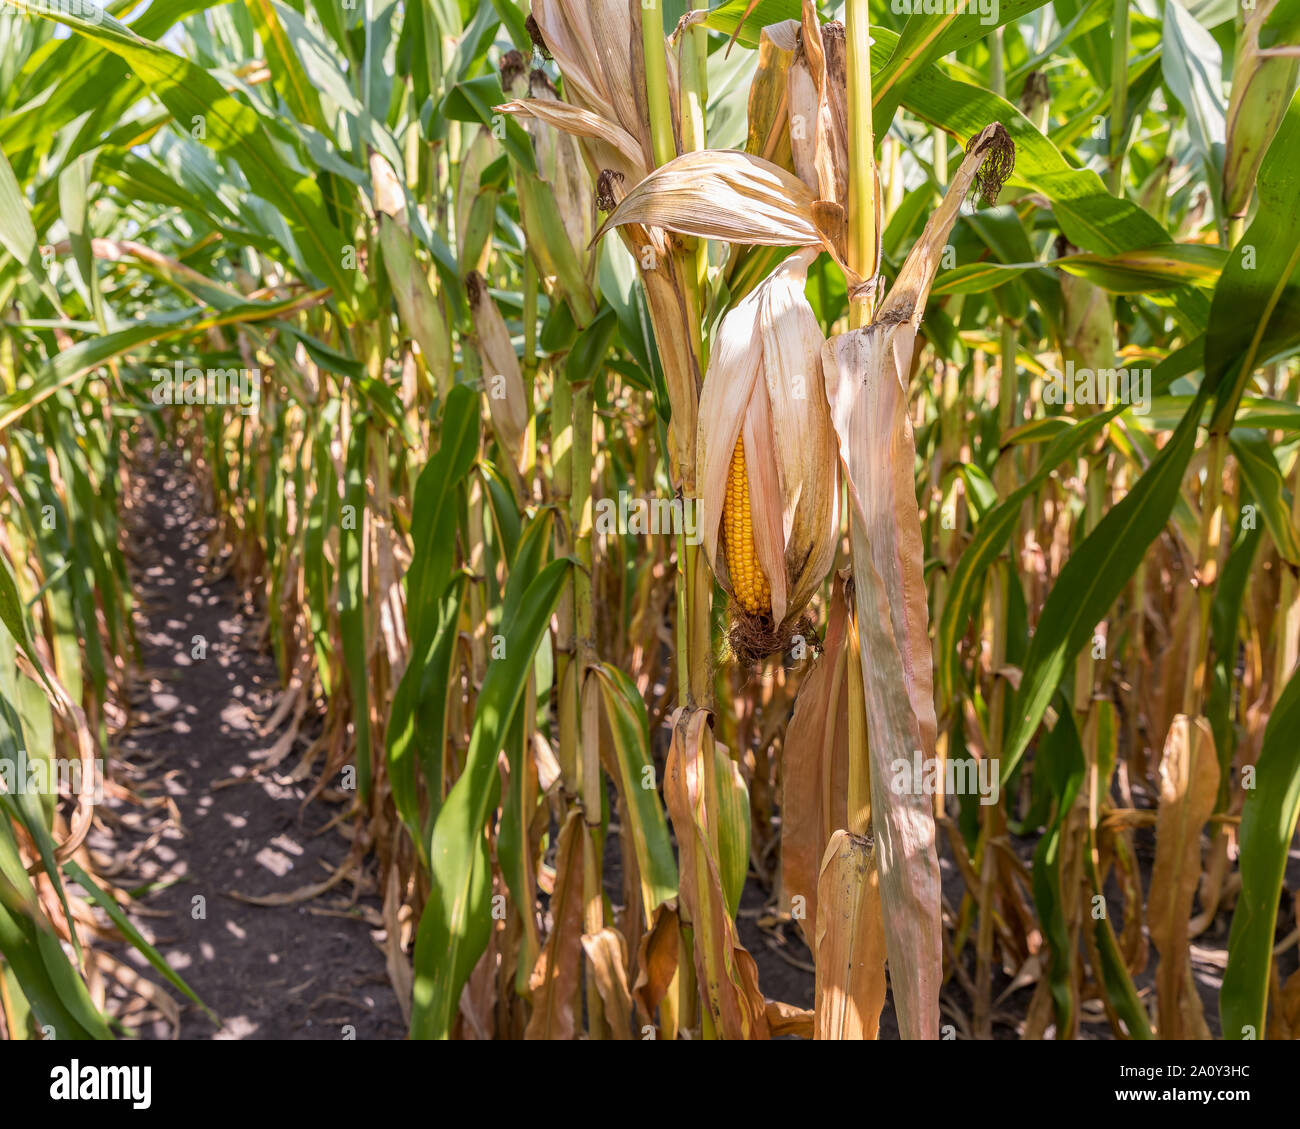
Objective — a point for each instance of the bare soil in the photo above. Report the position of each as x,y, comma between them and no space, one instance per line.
308,970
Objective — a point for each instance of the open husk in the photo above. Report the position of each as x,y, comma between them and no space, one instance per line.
763,390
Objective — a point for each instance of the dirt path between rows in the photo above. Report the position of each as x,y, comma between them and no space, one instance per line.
301,971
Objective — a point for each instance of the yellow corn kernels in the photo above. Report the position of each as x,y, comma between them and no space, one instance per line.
747,580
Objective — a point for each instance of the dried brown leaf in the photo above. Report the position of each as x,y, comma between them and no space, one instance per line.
727,973
554,982
1189,786
722,194
850,942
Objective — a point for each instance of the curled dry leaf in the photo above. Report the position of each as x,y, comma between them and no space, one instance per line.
1189,786
786,1019
725,969
722,194
555,978
657,968
610,145
606,950
503,380
814,766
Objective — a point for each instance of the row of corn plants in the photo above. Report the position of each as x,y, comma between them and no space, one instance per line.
684,449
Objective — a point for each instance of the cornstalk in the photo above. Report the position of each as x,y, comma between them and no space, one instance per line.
992,816
662,142
1118,96
694,99
583,401
997,71
1196,686
862,174
694,584
561,490
1288,609
584,609
529,367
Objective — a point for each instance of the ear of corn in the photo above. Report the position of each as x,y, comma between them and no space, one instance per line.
1262,88
748,583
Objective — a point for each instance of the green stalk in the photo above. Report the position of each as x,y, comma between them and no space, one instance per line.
939,140
662,141
694,83
580,522
693,72
992,816
529,367
694,581
561,491
1288,608
862,174
584,620
997,70
1004,477
1196,687
1118,95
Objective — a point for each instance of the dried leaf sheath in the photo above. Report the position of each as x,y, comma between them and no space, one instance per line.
1189,786
725,968
850,945
866,373
814,765
895,661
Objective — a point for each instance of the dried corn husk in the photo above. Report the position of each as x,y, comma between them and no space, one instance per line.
819,132
503,381
1262,86
819,125
725,968
850,942
1189,786
597,44
723,194
815,767
763,388
421,316
769,95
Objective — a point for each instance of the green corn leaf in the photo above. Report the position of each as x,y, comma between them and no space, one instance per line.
1268,823
454,929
